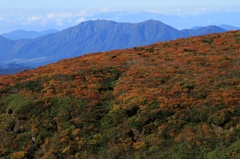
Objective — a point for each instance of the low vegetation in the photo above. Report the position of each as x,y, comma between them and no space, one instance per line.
177,99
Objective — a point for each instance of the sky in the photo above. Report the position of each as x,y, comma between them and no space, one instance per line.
54,5
59,14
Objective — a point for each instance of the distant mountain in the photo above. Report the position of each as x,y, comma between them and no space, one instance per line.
12,68
196,27
93,36
224,26
202,30
229,27
22,34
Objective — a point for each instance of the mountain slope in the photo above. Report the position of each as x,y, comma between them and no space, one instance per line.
95,36
175,99
5,44
22,34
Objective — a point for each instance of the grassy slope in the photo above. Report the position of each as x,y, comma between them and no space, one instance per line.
176,99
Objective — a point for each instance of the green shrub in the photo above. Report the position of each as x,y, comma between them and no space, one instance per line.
19,104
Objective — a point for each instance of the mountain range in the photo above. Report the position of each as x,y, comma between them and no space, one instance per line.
179,20
92,36
169,100
22,34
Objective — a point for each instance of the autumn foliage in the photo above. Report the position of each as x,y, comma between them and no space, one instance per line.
175,99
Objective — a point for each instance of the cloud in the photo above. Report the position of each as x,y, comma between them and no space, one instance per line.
62,18
105,10
61,15
79,20
13,61
203,10
59,22
84,12
51,15
36,20
91,12
59,19
33,19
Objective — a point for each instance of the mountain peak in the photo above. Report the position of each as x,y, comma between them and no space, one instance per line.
153,21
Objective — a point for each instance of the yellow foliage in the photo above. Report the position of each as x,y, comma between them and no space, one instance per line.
3,151
76,131
96,139
139,145
66,149
80,142
18,155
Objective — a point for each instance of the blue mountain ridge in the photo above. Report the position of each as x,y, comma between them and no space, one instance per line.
23,34
92,36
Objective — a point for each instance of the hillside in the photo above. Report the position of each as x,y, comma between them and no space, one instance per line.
175,99
104,35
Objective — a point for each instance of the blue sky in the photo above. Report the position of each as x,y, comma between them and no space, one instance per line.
53,5
59,14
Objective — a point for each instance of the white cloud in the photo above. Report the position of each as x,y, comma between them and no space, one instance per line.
43,22
59,22
105,10
33,18
58,18
61,18
50,15
62,15
84,12
79,20
203,10
13,61
36,20
66,15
